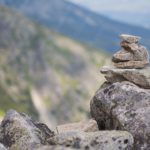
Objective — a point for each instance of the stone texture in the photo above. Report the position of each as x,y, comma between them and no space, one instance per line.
86,126
19,131
132,52
131,64
140,77
124,106
130,38
2,147
55,148
102,140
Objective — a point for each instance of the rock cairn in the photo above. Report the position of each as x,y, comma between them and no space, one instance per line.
120,109
130,64
133,55
123,101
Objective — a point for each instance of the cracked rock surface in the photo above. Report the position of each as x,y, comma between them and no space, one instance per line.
101,140
19,132
124,106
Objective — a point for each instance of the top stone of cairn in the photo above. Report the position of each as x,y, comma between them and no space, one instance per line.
130,38
132,55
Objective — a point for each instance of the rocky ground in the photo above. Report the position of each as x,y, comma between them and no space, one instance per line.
19,132
120,111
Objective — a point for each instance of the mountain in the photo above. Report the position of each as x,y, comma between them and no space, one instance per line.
134,12
78,22
129,17
44,73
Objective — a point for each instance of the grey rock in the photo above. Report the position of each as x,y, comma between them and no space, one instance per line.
19,131
55,148
101,140
130,38
140,77
86,126
2,147
124,106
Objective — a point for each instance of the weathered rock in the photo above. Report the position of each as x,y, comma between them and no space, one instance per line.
130,38
122,56
2,147
131,64
18,131
140,77
86,126
55,148
134,53
124,106
102,140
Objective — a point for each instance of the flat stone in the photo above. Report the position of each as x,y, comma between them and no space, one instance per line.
124,106
122,56
131,64
101,140
130,38
140,77
86,126
50,147
130,46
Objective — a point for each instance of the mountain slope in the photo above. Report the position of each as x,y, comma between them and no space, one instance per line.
77,22
45,73
133,12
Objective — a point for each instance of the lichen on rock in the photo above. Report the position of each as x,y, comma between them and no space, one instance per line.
19,131
123,101
105,140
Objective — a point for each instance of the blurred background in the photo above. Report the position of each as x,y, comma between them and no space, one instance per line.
51,52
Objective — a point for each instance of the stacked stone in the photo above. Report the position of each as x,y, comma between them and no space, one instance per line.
123,101
130,63
133,55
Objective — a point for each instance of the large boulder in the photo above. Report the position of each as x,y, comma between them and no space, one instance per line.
124,106
140,77
19,131
101,140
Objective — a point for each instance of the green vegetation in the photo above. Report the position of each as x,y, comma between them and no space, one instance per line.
42,70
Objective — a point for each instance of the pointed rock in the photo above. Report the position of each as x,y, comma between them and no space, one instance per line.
19,131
